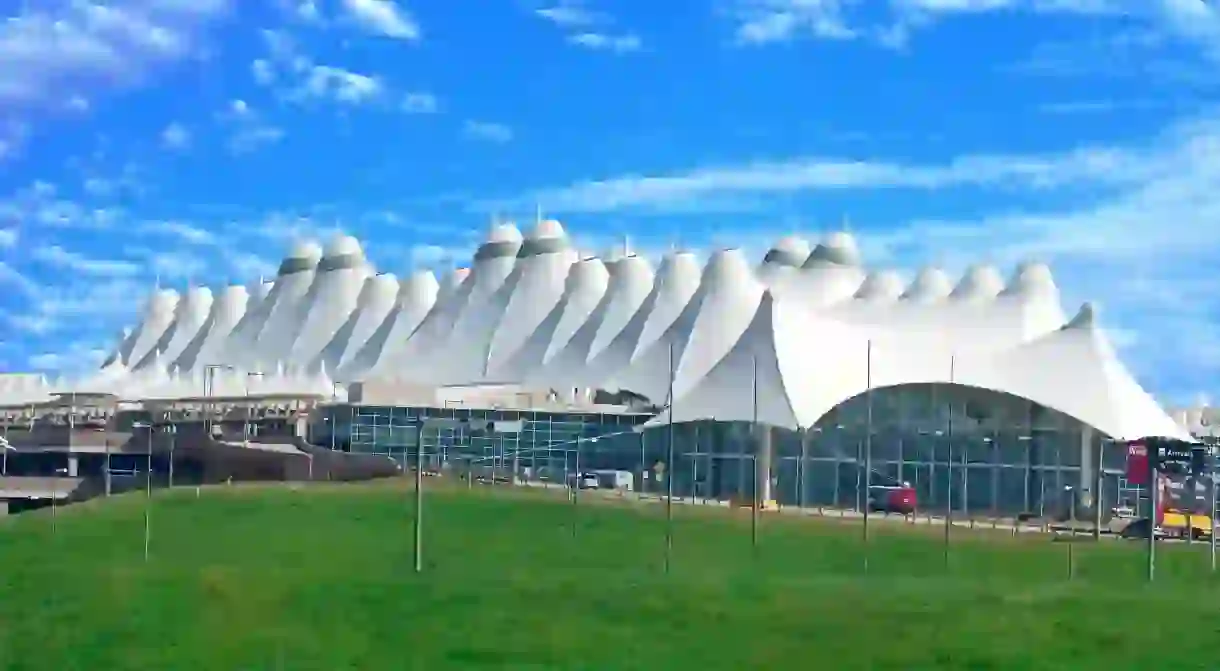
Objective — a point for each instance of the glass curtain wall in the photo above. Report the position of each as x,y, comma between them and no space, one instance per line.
983,453
533,444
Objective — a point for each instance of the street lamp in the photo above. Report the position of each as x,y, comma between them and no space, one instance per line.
209,383
5,448
246,424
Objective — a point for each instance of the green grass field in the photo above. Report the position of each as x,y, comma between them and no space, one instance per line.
321,578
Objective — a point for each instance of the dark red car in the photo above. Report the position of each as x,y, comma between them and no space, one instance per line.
899,499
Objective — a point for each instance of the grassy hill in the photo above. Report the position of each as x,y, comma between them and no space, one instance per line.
321,578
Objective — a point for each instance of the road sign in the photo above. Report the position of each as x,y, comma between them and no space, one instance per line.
1170,456
1137,463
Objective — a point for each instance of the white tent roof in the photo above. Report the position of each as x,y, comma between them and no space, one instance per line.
586,285
455,333
331,299
227,311
821,330
1073,370
190,315
707,328
377,300
416,297
266,326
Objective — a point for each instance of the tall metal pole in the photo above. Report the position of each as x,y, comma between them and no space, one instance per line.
949,462
1071,530
868,443
669,476
759,445
800,470
173,443
576,486
419,496
148,494
106,476
1154,495
54,503
1211,514
643,465
1098,472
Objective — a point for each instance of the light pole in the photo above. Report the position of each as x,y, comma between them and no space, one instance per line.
949,463
669,477
576,482
868,449
209,384
5,448
1098,472
418,547
246,424
55,499
434,423
172,430
147,487
1071,530
1211,515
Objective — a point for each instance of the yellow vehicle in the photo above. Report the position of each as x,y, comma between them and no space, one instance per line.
1175,523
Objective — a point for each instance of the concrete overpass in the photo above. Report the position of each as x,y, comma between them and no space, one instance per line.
33,492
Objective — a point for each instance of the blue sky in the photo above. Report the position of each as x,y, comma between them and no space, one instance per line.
194,140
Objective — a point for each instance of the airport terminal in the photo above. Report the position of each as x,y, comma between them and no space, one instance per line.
799,379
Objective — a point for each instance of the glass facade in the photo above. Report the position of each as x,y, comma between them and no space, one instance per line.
975,451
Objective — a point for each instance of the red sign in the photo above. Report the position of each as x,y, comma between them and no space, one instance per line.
1137,464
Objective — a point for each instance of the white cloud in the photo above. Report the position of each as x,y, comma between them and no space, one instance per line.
297,78
325,82
420,103
31,324
171,264
252,138
180,231
589,29
63,259
40,205
383,17
602,42
428,255
175,136
488,131
9,238
1103,165
77,104
262,72
15,279
74,359
766,21
249,130
570,15
83,47
763,21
